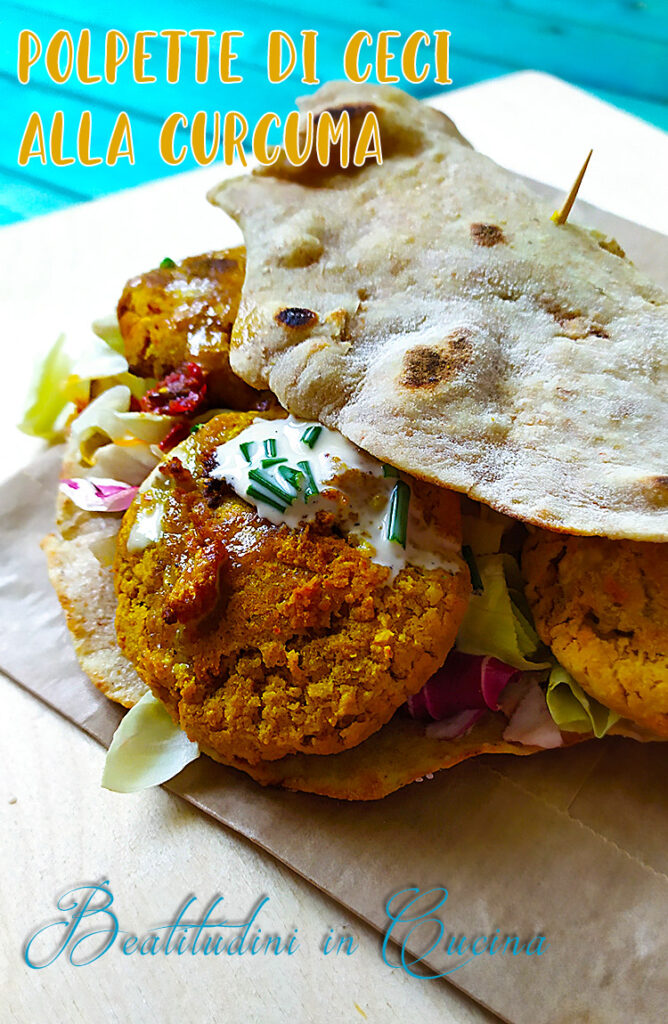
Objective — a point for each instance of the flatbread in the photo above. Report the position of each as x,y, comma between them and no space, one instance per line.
85,589
397,755
431,310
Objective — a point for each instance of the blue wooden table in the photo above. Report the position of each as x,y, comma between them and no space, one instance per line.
618,49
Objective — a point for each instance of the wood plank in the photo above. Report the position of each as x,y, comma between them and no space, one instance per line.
22,198
88,181
613,47
580,48
596,55
646,19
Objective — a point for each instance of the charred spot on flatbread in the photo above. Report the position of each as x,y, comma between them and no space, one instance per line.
487,235
354,110
573,322
655,489
425,366
295,317
612,246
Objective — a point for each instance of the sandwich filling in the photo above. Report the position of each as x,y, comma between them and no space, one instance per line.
286,594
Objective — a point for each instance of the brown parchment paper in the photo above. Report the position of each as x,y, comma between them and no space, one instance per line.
569,844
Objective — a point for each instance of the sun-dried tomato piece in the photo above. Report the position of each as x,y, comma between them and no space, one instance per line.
175,435
181,393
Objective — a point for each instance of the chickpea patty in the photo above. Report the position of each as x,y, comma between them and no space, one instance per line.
183,312
263,640
602,606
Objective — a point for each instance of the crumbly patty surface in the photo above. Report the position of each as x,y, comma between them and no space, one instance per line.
264,641
602,606
184,313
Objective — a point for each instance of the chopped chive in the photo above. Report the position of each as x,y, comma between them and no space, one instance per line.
270,447
167,262
267,463
311,435
293,476
195,427
260,477
398,525
476,579
389,470
311,486
247,450
255,492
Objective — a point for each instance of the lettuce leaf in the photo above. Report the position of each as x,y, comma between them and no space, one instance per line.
498,621
483,532
572,709
48,396
147,749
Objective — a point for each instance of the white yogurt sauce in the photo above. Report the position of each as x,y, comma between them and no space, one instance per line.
147,528
351,485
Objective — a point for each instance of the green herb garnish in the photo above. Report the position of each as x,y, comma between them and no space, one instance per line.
311,435
399,501
195,427
311,486
247,450
389,470
270,447
293,476
260,477
255,492
267,463
476,579
166,263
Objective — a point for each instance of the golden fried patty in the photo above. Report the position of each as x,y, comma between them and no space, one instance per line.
264,641
184,312
602,606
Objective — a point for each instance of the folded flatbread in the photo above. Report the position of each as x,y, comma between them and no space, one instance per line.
431,310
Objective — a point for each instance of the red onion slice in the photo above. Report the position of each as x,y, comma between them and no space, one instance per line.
451,728
466,682
532,724
99,495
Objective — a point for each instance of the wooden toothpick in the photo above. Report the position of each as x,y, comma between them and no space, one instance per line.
561,216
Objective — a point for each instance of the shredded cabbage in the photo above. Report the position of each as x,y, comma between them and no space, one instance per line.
106,327
115,442
93,360
147,749
572,709
130,463
74,370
